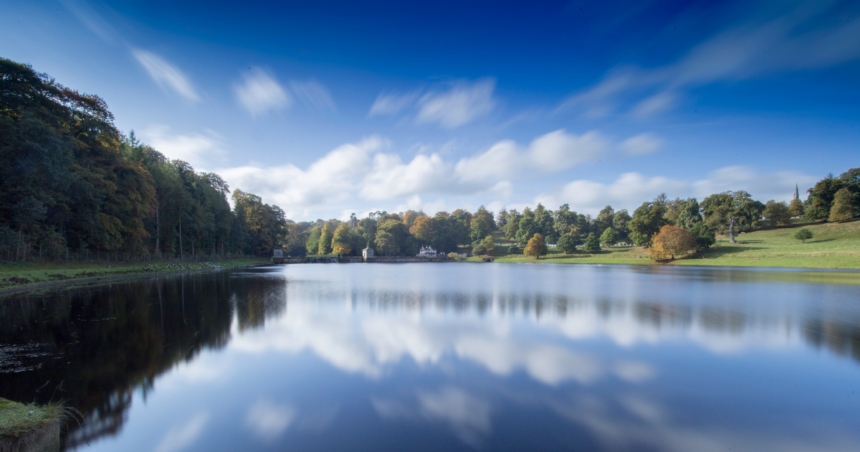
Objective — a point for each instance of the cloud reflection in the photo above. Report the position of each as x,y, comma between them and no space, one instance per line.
180,437
268,421
466,414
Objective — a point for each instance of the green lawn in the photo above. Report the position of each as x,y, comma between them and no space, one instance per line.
832,246
28,274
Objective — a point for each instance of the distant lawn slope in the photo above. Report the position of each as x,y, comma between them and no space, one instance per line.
832,246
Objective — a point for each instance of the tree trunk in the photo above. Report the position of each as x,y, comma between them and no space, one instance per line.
18,242
180,236
157,230
732,230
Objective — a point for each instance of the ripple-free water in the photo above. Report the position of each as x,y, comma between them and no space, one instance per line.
442,356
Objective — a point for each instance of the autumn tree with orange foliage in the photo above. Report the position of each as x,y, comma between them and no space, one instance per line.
422,228
671,240
536,247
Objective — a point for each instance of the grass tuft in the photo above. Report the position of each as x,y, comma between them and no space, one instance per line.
18,420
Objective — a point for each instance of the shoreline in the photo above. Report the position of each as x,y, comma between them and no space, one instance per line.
680,263
104,279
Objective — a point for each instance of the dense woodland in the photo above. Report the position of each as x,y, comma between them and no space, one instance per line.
74,187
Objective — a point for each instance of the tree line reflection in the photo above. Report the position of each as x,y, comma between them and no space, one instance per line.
93,347
97,345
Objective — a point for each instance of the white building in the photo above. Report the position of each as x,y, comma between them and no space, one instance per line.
427,252
367,252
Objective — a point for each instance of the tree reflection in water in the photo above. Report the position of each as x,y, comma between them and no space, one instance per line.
93,347
105,342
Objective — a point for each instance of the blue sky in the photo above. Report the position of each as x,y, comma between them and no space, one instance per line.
328,108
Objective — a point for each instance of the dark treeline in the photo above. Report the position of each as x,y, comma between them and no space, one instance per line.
729,213
74,187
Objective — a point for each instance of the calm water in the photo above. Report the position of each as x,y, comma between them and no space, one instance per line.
445,357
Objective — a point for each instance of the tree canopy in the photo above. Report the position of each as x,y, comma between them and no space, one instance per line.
72,183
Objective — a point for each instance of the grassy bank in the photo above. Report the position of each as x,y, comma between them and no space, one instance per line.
28,427
832,246
18,275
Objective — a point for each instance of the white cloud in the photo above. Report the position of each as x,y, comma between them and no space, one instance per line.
655,104
644,143
391,178
390,104
268,421
754,47
260,92
364,171
778,186
165,74
181,437
312,94
329,180
201,151
631,189
553,152
460,105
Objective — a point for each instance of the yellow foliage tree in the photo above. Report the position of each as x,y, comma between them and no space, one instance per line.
422,228
536,247
340,242
325,240
671,240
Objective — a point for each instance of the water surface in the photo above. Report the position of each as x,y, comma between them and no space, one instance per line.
445,357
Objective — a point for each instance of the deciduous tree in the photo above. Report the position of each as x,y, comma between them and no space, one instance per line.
480,228
342,242
568,243
777,213
803,235
843,207
647,221
672,240
609,237
325,240
592,243
536,247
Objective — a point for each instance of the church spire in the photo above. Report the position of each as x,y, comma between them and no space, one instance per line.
796,192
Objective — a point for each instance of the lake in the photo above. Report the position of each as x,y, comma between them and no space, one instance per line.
448,356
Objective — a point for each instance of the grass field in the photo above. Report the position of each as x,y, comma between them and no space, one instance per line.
832,246
14,275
